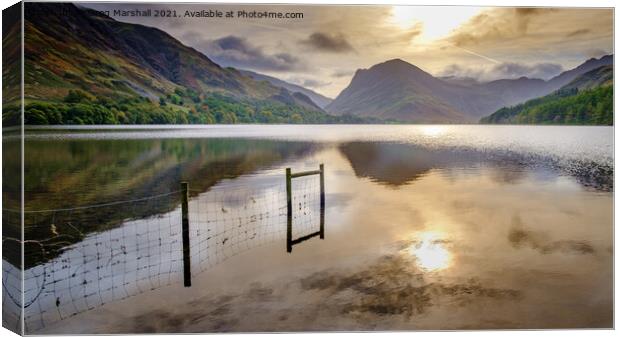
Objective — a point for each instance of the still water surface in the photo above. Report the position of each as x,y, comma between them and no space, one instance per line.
427,227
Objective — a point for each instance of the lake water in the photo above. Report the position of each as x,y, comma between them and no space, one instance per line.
426,227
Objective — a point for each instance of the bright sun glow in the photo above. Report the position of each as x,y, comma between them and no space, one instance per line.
403,16
430,253
438,21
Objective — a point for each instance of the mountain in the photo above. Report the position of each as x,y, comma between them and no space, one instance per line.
601,76
587,99
128,73
11,56
399,90
567,76
467,81
317,98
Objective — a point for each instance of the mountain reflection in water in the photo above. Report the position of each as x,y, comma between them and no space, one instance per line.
396,164
74,173
439,227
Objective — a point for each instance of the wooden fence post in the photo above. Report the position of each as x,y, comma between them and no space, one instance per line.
289,212
322,235
187,273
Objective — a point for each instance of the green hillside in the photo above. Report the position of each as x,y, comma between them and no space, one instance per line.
587,100
85,68
601,76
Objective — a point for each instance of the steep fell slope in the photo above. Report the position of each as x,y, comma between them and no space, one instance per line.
587,100
129,73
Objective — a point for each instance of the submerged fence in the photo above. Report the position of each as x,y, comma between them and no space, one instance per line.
77,259
304,205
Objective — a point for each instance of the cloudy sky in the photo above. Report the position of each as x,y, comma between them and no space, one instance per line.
323,49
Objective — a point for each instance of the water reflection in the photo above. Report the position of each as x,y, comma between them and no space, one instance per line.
73,173
494,239
396,164
146,254
69,173
92,251
520,237
434,130
11,231
430,252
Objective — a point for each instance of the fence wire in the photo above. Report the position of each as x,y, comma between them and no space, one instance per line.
306,206
11,275
90,259
78,259
228,222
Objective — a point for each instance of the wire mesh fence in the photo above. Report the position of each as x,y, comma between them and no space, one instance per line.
71,271
306,206
11,271
78,259
231,221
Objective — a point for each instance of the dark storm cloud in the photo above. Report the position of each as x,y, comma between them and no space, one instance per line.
522,16
506,70
328,43
239,52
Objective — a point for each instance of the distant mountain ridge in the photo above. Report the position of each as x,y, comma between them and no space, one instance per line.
82,67
586,100
399,90
318,99
569,75
601,76
130,73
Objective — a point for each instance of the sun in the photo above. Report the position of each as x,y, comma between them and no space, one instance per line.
437,21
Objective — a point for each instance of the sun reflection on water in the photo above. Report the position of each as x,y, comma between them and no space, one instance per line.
433,130
430,252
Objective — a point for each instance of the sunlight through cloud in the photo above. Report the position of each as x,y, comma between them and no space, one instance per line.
438,21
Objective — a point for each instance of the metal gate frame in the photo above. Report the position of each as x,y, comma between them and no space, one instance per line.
289,207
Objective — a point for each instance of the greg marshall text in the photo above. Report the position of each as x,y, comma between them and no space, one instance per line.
203,13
